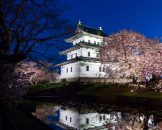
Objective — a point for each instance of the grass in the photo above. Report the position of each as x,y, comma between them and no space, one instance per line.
114,90
45,86
104,89
149,95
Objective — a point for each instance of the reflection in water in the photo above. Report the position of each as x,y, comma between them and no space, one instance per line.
66,118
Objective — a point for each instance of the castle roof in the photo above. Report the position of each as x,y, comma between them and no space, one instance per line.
86,30
91,30
80,45
87,59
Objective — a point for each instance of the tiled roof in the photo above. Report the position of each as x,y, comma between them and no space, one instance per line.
80,45
91,30
88,59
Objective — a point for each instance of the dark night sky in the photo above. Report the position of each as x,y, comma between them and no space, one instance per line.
143,16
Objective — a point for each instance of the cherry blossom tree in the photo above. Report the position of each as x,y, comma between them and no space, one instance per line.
133,55
26,74
132,122
35,73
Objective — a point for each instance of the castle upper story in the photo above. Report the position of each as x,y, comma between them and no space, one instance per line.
86,41
85,34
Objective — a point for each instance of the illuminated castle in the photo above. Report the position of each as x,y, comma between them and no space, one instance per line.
83,56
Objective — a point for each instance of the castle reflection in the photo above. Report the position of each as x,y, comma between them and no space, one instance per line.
61,117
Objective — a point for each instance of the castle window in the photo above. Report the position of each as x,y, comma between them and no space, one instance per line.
87,121
71,69
100,118
71,56
70,119
98,54
87,68
103,69
94,42
66,118
99,69
66,70
88,53
76,54
104,117
89,41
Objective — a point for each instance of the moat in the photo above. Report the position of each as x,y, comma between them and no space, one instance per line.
82,116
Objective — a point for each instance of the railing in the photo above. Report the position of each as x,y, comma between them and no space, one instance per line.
90,44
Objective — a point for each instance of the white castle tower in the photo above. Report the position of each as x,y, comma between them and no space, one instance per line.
83,56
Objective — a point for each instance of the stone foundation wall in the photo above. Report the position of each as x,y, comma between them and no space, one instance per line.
105,80
97,80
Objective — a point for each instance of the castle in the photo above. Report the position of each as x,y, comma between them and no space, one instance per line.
83,56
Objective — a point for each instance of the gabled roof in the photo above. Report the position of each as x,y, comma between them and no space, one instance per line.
91,30
78,46
88,30
86,59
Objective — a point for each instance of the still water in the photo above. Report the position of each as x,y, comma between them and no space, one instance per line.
103,117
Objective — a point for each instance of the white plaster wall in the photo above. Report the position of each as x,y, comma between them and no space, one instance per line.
78,121
92,39
79,70
82,52
78,40
93,52
94,120
86,38
75,122
75,70
93,70
72,54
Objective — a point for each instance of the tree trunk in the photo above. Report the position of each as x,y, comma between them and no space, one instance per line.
6,81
